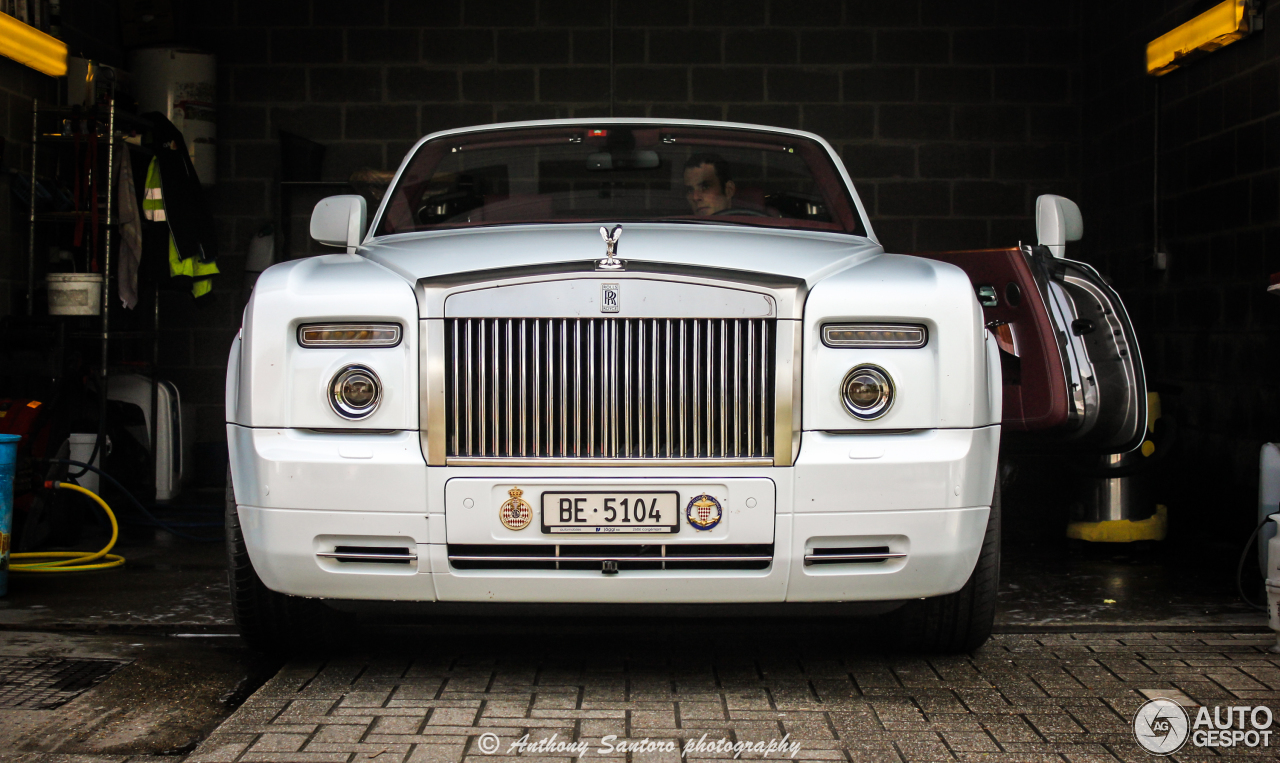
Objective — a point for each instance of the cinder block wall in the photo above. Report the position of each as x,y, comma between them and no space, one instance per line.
1208,327
951,116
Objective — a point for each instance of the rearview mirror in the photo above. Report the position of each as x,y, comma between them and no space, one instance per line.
339,221
1058,221
623,160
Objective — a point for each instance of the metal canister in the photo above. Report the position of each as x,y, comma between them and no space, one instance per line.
8,463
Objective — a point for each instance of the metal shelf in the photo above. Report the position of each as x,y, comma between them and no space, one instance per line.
71,217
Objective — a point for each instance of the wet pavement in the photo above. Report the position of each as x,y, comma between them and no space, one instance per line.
168,695
167,586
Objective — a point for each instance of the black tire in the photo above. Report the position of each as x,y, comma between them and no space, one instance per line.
274,622
960,621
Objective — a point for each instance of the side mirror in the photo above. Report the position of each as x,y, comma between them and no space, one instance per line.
339,221
1058,221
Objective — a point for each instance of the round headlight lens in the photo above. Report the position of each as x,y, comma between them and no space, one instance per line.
355,392
867,392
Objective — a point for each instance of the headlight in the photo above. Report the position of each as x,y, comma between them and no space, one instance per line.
349,335
874,336
867,392
355,392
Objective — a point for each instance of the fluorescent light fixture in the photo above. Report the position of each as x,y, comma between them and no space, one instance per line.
31,47
1221,25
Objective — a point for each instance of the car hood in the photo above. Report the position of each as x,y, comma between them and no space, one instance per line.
806,255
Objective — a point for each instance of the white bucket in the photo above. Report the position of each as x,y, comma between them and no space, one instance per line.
74,293
81,448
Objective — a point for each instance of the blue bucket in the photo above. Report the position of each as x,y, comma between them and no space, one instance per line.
8,462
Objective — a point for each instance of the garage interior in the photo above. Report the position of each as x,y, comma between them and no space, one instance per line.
951,116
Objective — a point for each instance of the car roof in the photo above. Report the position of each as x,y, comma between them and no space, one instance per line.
585,121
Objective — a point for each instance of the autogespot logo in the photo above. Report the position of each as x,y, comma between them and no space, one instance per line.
1161,726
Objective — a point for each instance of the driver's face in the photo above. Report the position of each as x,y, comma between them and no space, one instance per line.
706,194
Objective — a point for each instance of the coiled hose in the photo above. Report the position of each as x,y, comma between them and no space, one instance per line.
168,527
72,561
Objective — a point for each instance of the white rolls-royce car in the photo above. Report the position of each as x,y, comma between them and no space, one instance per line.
639,362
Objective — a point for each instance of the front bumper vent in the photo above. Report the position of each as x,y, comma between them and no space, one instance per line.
851,555
371,555
719,556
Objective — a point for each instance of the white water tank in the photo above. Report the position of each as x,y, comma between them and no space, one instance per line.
181,83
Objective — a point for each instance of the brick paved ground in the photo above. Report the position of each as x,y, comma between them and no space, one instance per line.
1061,697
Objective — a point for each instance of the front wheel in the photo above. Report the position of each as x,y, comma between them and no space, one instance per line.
960,621
270,621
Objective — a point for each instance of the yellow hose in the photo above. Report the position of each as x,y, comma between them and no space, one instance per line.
73,561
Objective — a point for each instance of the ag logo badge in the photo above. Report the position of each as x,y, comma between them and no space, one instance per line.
703,512
515,513
1161,726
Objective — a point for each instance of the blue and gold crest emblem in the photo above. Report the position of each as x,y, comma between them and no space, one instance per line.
704,512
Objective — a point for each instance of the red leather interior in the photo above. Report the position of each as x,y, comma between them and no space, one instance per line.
1036,397
752,197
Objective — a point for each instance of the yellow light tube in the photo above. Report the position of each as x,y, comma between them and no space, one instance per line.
31,47
1221,25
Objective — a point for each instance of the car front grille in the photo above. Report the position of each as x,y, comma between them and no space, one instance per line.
602,388
699,556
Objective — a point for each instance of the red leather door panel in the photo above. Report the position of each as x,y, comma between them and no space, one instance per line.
1036,396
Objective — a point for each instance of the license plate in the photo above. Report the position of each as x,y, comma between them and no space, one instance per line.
608,512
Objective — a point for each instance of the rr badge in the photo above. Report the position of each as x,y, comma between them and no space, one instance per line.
704,512
515,513
609,298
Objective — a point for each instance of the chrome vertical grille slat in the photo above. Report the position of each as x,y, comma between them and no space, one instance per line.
724,390
591,391
609,389
670,394
482,399
612,328
577,388
751,390
537,387
626,398
457,419
510,395
737,388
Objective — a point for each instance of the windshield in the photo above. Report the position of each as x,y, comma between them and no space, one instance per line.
618,173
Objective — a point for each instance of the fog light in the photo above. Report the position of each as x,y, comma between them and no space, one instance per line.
867,392
355,392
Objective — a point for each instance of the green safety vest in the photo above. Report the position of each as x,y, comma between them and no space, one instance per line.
153,209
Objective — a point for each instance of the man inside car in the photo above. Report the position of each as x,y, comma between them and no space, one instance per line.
707,184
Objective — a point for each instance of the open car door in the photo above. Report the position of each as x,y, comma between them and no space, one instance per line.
1071,366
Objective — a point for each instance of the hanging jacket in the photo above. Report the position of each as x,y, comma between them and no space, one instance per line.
130,233
153,208
186,211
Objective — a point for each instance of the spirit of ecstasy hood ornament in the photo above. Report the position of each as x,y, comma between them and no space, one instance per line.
610,261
